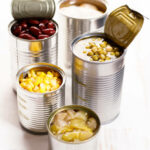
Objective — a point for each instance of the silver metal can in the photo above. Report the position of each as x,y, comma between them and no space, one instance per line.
56,144
33,9
71,27
25,52
34,108
98,85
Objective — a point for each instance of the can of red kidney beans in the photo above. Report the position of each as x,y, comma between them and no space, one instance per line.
72,25
31,37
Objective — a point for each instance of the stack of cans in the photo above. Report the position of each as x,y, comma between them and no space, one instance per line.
95,58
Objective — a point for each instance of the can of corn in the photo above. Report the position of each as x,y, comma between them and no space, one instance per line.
78,17
25,51
97,76
34,107
55,142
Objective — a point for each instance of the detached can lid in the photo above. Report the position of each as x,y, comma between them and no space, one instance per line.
22,9
122,25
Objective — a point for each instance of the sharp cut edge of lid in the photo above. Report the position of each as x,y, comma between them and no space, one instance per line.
122,25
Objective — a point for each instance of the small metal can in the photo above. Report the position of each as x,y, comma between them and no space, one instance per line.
33,9
98,85
34,108
90,144
25,52
71,27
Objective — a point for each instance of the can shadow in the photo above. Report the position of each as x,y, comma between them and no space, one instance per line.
35,142
10,108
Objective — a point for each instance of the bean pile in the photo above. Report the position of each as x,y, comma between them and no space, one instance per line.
100,50
33,29
73,125
41,82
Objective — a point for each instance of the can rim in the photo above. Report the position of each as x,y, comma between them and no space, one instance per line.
94,34
26,40
84,19
31,66
75,106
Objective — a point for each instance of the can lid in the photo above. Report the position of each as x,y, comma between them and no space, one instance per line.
33,9
122,25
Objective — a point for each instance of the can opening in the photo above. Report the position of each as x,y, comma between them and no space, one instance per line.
23,30
97,5
82,113
81,48
40,79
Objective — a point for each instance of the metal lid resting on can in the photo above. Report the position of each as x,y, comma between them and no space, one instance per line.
33,9
122,25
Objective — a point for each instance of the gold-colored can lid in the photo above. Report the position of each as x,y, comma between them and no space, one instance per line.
122,25
22,9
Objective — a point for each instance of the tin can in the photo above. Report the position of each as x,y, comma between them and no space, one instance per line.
33,9
98,85
34,108
90,144
25,52
72,27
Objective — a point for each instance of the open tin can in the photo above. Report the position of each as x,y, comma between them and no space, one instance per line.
72,26
89,144
34,108
98,85
24,51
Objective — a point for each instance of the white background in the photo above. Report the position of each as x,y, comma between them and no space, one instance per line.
130,131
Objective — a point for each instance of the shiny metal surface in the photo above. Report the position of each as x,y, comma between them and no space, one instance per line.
34,108
122,25
56,144
73,27
33,9
25,52
98,85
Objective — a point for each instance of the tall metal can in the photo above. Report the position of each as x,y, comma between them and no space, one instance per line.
98,85
90,144
23,51
71,27
34,108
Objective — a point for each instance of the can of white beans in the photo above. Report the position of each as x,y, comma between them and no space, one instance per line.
77,17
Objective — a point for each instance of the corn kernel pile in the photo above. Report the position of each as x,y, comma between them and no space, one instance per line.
41,82
100,50
73,126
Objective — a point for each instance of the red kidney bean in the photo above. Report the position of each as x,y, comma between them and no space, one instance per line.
48,31
45,21
50,25
24,25
35,31
33,21
42,26
17,30
43,36
27,36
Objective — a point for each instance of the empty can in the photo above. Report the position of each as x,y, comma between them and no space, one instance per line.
89,144
24,51
72,26
98,85
34,108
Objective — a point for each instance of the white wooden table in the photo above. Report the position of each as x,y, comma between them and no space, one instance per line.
130,131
